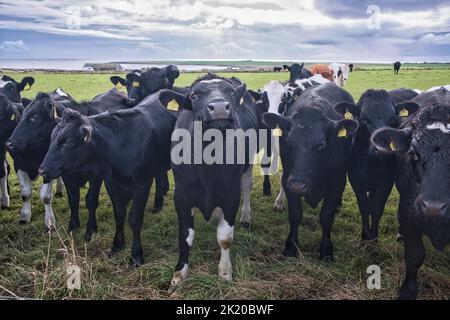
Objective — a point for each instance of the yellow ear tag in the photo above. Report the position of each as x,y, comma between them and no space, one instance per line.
392,146
27,87
348,115
55,115
277,132
173,105
342,133
135,84
13,116
242,100
118,85
403,113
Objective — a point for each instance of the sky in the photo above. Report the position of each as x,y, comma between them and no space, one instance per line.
302,30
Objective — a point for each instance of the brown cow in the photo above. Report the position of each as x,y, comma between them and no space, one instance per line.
322,69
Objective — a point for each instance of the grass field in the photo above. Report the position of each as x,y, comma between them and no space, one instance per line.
33,265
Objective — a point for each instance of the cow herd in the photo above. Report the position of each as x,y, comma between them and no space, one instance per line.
126,141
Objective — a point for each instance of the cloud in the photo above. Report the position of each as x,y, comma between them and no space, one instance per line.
13,46
439,39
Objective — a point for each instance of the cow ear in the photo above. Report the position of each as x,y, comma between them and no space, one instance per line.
277,122
302,65
240,91
347,110
286,67
255,95
172,100
172,73
86,133
118,81
26,84
25,102
406,109
389,140
345,128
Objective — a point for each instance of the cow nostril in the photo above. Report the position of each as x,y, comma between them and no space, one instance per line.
297,186
42,171
433,208
210,107
227,107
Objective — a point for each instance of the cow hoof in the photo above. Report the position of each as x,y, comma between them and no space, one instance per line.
406,294
156,210
74,226
178,277
226,275
49,229
277,208
290,250
245,225
88,235
23,222
267,193
113,252
399,238
136,262
5,208
59,195
326,258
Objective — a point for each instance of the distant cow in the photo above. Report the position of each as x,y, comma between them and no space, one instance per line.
323,70
350,66
277,69
12,89
315,150
141,84
422,147
129,148
397,66
217,104
30,141
402,95
371,175
340,73
297,72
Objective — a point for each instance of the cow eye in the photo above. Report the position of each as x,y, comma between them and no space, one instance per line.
194,96
233,93
34,118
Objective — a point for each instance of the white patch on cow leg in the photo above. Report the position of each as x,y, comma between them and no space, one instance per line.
279,201
225,239
4,198
26,187
190,237
246,188
60,186
179,276
46,196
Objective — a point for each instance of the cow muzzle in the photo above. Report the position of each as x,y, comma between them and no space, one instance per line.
433,209
219,110
297,186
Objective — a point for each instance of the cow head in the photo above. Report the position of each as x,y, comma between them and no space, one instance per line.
35,127
425,148
308,145
71,146
141,84
297,72
9,117
275,97
375,110
12,89
213,100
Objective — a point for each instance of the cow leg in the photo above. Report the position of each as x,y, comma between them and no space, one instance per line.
4,195
185,239
295,210
92,204
326,218
225,232
120,199
379,202
136,220
414,257
166,185
246,188
159,192
73,196
46,196
279,201
26,187
59,187
363,204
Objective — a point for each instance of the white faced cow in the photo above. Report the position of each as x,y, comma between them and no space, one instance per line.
340,73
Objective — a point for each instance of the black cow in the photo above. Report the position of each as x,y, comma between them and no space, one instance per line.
277,69
297,72
350,66
30,141
10,114
422,146
12,89
141,84
372,175
129,148
402,95
314,149
213,103
397,66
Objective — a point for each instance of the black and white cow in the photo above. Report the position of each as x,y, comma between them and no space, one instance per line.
30,141
129,148
422,147
140,84
297,72
402,95
315,148
370,174
214,104
12,89
397,66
